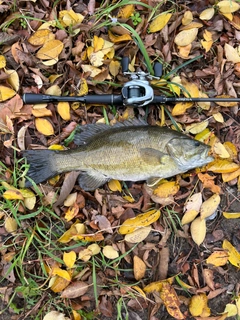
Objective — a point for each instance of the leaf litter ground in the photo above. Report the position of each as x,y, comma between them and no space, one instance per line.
63,255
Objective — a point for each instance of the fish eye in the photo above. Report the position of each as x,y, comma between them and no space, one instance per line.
196,143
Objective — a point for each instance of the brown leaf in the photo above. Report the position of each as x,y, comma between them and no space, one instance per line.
139,268
170,300
75,289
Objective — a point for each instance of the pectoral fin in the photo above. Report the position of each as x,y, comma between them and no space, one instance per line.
153,157
152,181
90,182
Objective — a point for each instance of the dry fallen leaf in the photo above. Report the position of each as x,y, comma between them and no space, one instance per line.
226,6
198,304
56,315
50,50
75,290
207,14
10,224
40,37
209,206
231,215
171,301
63,109
138,235
126,11
185,37
234,255
6,93
231,53
139,268
114,185
58,284
218,258
110,253
198,230
69,259
159,22
167,189
44,126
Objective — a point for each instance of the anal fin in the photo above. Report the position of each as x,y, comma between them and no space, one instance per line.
89,181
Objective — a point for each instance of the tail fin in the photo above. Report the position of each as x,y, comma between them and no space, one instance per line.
41,165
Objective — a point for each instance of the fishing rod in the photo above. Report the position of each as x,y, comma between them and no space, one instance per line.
136,93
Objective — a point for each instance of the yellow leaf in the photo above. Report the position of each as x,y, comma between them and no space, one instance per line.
184,51
50,62
220,150
227,6
186,37
157,285
207,45
138,235
209,206
234,255
180,108
139,290
195,128
139,268
13,195
94,71
58,284
10,225
63,109
227,103
61,273
117,39
40,37
218,258
222,166
2,62
125,12
83,88
76,315
170,300
54,90
204,104
115,185
6,93
98,43
71,212
231,149
96,58
231,215
85,255
231,310
44,112
173,85
114,67
218,117
69,18
231,53
237,300
167,189
50,50
191,89
187,17
197,304
110,253
142,220
94,248
69,259
204,135
76,228
194,202
207,14
160,22
191,25
70,200
44,126
189,216
198,230
208,182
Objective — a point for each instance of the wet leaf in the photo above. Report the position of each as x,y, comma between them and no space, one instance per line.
198,230
185,37
218,258
44,126
160,22
69,258
197,305
139,268
142,220
138,235
231,215
50,50
6,93
63,109
75,290
207,14
10,225
167,189
234,255
40,37
210,206
110,253
171,301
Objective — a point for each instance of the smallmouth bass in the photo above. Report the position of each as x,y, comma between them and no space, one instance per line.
131,151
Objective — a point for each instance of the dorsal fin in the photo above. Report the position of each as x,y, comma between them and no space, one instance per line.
84,133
